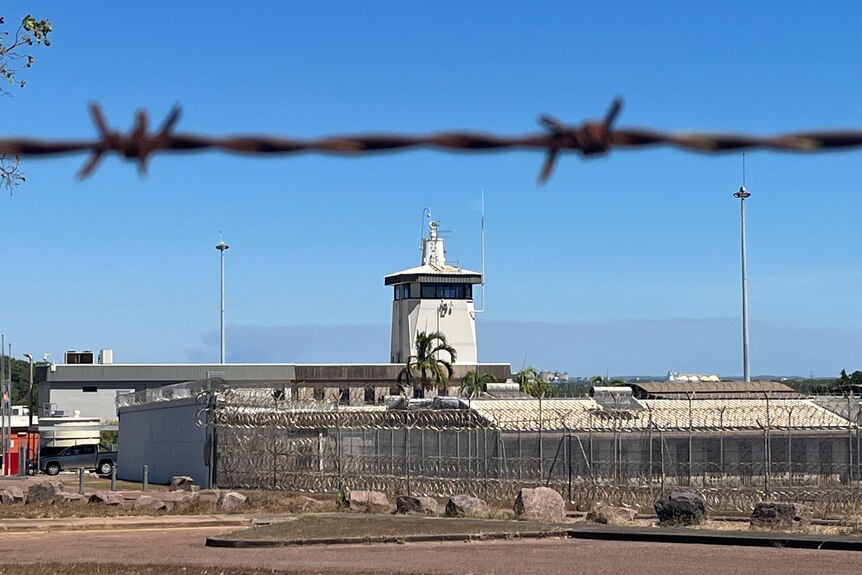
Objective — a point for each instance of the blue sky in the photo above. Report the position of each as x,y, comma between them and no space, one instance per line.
624,264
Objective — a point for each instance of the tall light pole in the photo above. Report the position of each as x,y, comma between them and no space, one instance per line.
742,195
221,247
30,411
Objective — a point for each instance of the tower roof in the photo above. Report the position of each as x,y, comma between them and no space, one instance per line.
434,267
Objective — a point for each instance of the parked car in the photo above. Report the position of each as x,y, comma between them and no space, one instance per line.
95,457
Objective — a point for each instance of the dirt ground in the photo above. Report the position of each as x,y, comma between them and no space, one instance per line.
345,525
182,552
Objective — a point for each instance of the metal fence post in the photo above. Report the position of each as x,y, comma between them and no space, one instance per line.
569,462
81,480
721,444
790,446
690,442
541,447
849,440
114,477
407,457
766,448
146,481
649,476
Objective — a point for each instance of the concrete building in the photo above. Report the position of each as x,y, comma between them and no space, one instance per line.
434,296
256,439
92,389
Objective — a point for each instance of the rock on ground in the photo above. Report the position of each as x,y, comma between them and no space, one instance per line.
151,503
64,497
781,515
231,501
367,501
681,508
609,515
539,504
111,498
182,483
416,505
467,506
11,494
44,492
179,496
304,504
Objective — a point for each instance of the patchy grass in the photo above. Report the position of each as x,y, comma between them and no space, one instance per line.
329,526
853,526
273,502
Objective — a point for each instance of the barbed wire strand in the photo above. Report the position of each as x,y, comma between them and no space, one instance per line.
591,138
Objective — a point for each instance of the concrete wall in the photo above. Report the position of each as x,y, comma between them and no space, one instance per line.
99,403
164,437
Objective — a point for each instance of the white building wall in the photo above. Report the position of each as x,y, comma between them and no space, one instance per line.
454,318
99,403
164,437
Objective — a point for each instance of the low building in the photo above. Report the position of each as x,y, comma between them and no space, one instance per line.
250,436
92,389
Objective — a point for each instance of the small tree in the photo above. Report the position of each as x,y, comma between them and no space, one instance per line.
13,60
473,383
427,367
530,382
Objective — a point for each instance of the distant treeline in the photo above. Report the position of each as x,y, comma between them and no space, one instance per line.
828,386
813,386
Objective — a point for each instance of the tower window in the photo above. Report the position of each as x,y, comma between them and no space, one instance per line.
447,291
402,291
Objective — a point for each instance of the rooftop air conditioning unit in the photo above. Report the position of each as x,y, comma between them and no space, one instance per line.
79,357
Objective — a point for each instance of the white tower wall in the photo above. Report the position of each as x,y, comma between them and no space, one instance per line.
453,318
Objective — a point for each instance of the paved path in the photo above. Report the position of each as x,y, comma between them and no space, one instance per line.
185,546
235,521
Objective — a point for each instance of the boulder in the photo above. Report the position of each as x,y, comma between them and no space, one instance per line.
11,494
150,503
609,515
416,505
467,506
179,496
209,496
182,483
64,497
367,501
539,504
681,508
304,504
110,498
781,516
44,492
231,501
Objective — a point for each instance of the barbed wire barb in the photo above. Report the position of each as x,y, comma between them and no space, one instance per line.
591,138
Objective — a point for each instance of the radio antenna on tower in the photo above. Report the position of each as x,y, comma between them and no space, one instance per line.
482,241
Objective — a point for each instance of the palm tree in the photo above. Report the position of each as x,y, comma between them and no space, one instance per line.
532,383
427,367
473,383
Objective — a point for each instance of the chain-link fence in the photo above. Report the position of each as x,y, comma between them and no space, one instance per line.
734,452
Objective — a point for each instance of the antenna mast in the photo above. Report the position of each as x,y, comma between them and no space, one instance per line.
482,310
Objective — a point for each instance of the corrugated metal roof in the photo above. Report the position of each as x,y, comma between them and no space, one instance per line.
664,414
698,389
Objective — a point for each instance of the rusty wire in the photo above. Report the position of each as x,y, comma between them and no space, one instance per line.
590,138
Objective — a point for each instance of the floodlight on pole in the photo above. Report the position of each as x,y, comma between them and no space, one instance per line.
742,195
221,247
